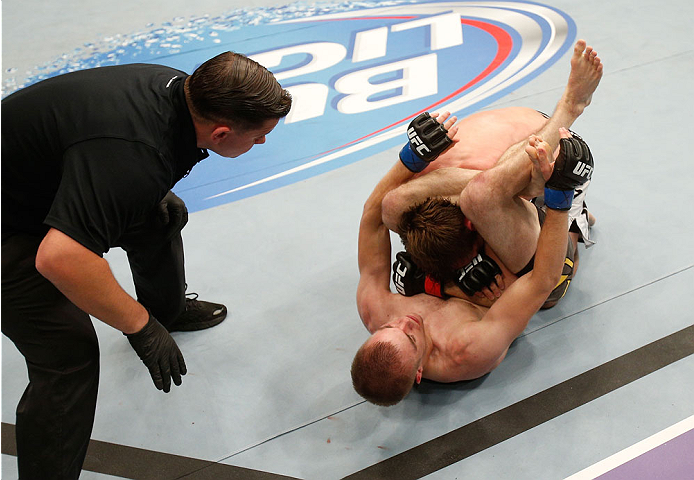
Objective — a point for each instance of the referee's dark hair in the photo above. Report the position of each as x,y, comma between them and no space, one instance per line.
233,88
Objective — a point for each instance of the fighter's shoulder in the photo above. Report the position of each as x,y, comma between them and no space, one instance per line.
453,358
468,354
449,323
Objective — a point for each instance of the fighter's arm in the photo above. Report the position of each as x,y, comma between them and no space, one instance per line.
374,256
443,182
374,249
508,223
509,316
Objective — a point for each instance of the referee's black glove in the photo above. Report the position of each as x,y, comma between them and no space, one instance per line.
160,354
172,214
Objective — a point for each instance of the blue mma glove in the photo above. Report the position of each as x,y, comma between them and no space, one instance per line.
410,280
477,274
574,166
427,139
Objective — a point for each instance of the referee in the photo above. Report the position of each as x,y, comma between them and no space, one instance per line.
88,163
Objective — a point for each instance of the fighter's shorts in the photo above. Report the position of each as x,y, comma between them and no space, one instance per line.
567,273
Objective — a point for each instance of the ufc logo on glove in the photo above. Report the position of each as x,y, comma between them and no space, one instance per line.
416,142
583,170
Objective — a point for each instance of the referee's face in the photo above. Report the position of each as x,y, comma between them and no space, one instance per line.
237,142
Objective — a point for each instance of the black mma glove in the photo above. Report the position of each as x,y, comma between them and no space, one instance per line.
172,214
573,167
477,274
410,280
159,352
427,139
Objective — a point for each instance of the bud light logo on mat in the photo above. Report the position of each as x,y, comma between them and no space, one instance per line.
358,73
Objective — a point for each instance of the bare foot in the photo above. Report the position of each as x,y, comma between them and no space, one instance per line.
586,72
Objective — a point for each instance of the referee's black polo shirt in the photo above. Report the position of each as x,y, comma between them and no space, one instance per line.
91,152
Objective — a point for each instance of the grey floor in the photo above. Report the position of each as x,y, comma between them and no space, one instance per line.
269,389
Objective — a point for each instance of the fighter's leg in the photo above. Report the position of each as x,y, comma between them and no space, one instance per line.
585,75
507,223
584,78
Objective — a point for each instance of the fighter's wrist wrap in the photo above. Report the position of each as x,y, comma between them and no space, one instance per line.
433,287
573,167
558,199
410,280
477,274
427,138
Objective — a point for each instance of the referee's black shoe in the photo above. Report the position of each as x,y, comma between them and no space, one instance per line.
198,315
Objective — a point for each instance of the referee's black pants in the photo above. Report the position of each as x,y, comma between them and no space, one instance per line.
55,414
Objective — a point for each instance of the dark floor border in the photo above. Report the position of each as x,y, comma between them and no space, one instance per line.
504,424
137,463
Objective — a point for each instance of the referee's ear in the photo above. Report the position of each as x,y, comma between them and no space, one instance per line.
219,134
